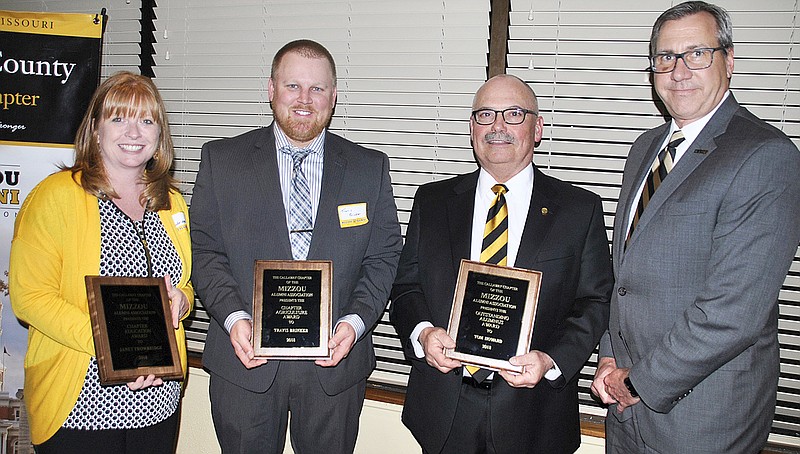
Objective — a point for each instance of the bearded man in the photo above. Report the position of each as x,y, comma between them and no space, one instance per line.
292,191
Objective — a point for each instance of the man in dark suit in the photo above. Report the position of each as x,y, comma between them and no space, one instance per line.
691,359
292,190
554,228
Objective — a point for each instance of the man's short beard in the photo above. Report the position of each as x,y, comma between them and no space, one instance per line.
300,131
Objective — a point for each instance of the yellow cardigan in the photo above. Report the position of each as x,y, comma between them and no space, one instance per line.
56,243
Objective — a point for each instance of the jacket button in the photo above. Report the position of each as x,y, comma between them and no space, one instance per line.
622,291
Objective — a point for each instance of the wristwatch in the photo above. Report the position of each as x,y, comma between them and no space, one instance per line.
630,387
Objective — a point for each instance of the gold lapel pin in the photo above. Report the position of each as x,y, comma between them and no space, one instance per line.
545,211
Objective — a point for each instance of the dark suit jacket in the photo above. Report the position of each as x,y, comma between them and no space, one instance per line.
238,217
569,246
695,307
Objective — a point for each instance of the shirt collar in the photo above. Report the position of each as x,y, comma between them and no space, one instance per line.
282,142
521,183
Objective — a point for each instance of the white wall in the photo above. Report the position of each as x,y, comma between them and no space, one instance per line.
380,429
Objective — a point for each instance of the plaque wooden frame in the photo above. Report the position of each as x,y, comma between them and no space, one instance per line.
531,300
321,351
101,321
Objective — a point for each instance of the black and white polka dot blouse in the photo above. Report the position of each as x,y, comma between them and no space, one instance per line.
122,253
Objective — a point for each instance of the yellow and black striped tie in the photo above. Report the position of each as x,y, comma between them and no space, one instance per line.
494,249
495,233
661,167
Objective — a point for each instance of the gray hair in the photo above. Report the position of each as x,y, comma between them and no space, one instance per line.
721,17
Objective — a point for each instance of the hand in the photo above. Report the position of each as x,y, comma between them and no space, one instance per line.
144,382
605,366
434,341
178,302
534,365
615,386
241,335
340,345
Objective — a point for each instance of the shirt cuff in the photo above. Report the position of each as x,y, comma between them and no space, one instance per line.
235,317
553,374
355,321
419,352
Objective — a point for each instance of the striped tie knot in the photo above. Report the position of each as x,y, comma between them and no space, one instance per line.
298,155
675,140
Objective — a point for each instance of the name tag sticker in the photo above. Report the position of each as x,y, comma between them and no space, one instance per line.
352,215
180,221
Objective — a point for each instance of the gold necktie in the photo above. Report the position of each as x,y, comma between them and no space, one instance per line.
661,167
495,233
494,249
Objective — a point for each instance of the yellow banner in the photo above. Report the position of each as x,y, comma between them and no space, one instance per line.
62,24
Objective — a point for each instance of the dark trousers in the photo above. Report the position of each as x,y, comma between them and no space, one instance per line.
160,438
472,431
250,422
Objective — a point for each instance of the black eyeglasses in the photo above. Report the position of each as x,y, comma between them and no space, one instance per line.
512,115
695,59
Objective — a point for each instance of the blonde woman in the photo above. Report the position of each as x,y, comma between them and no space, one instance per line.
115,212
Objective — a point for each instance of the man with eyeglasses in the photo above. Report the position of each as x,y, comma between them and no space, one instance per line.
552,227
706,228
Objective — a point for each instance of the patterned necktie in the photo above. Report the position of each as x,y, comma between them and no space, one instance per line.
494,249
495,233
661,167
300,220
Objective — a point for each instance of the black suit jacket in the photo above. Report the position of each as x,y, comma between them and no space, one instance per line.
567,242
238,217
